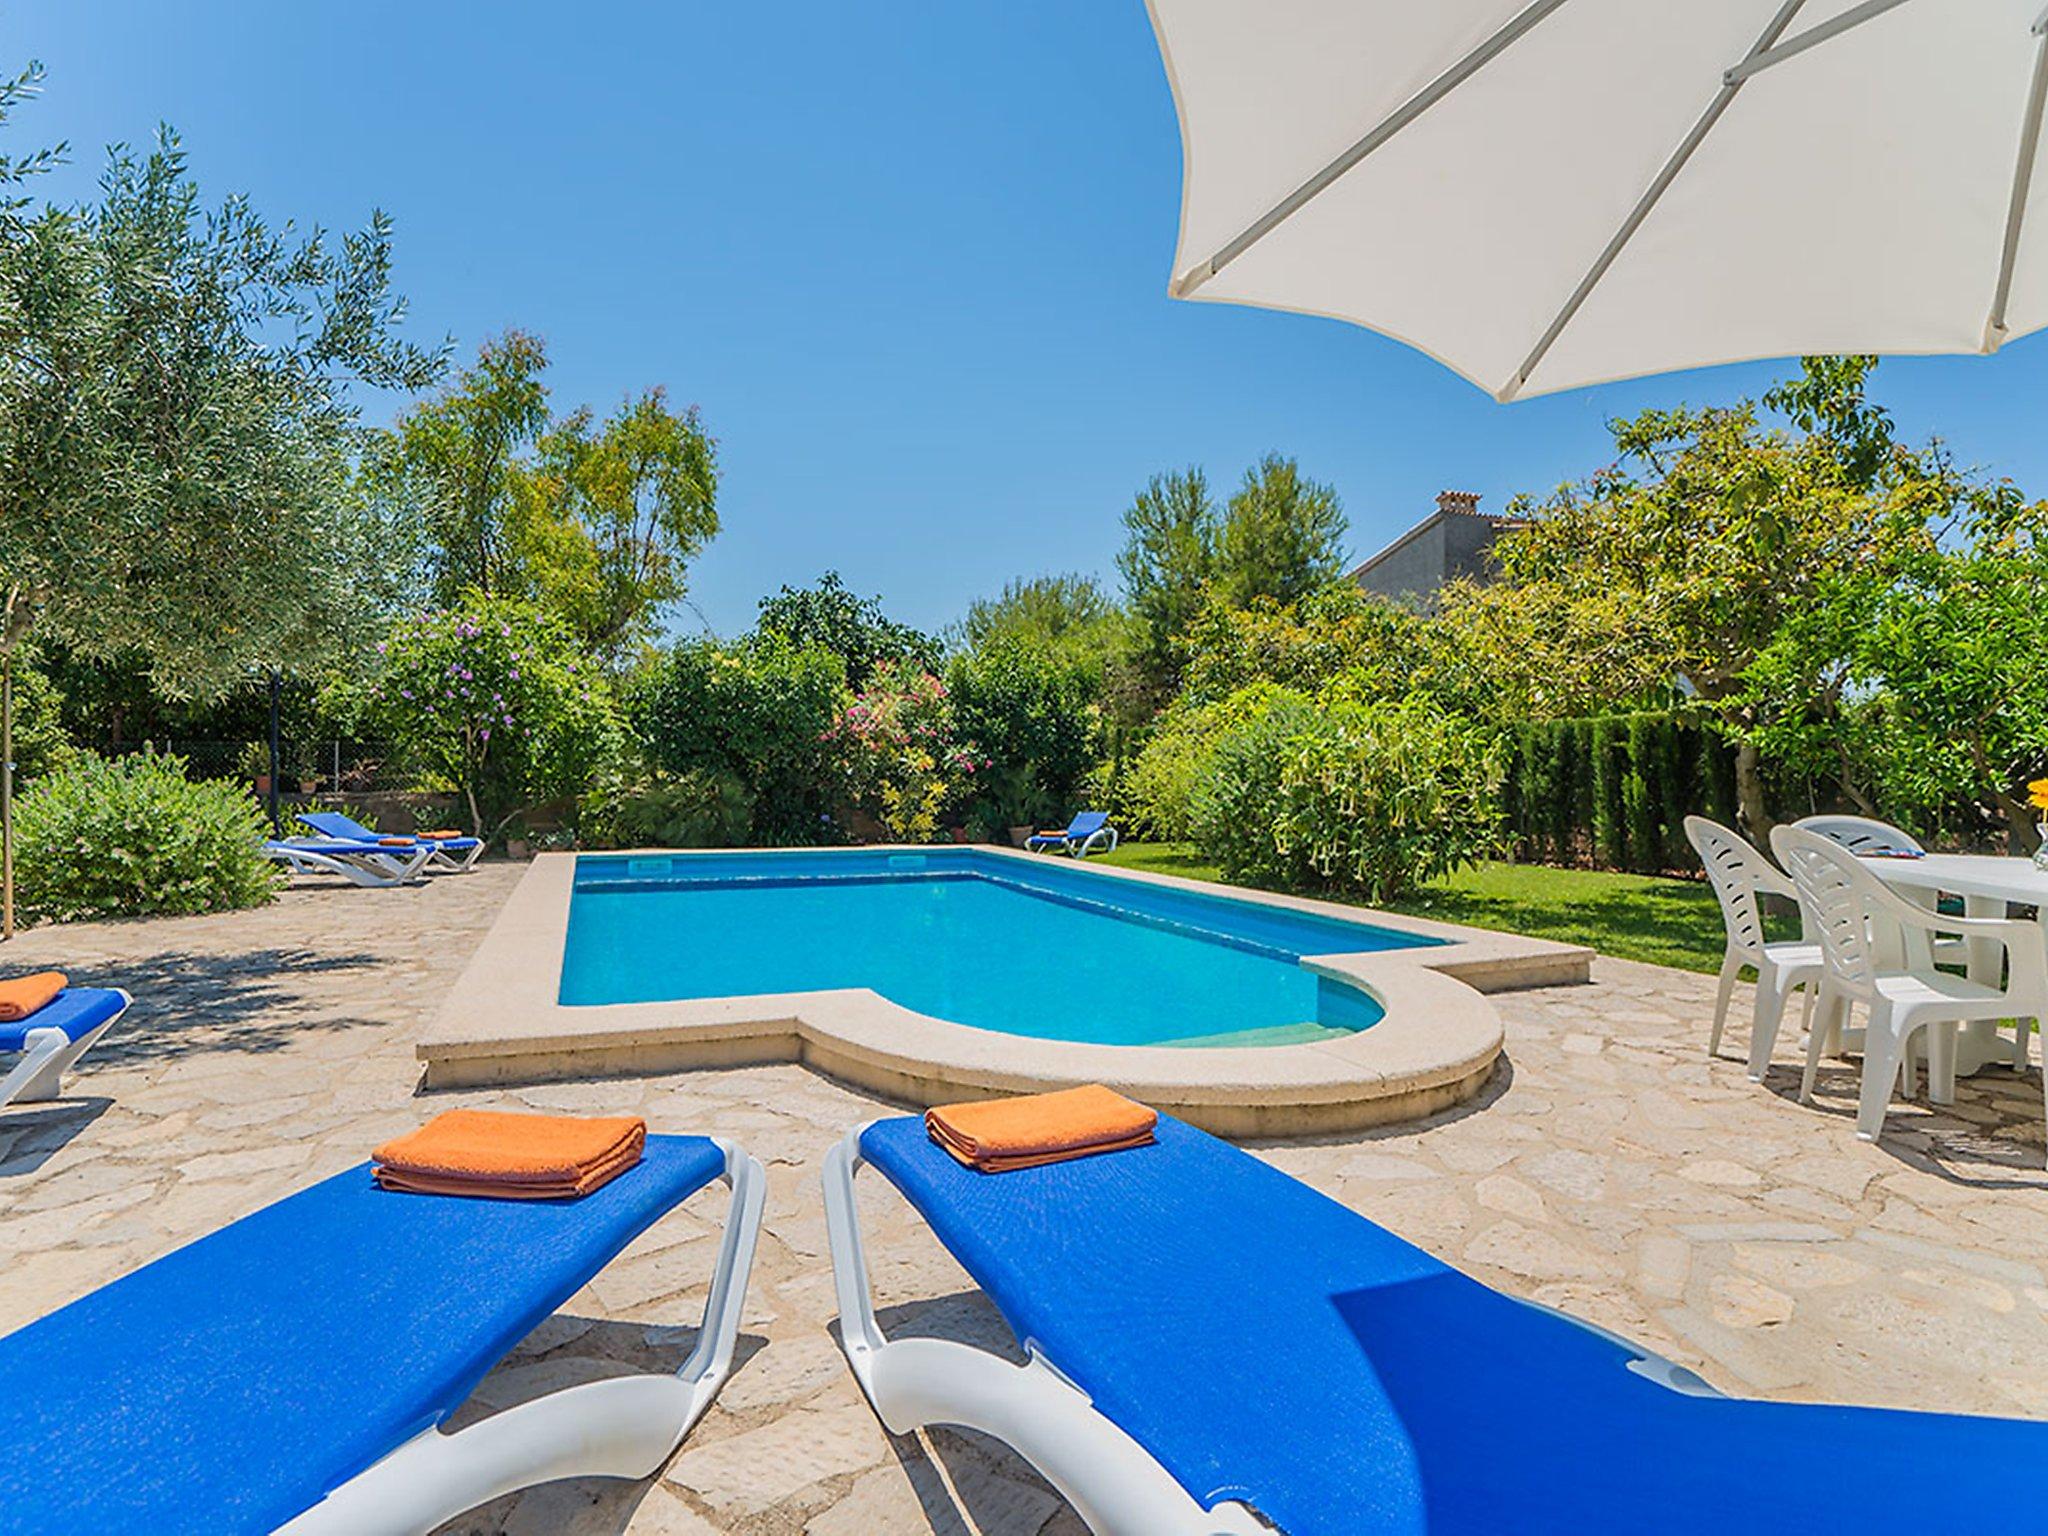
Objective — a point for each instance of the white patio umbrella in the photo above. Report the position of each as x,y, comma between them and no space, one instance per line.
1544,194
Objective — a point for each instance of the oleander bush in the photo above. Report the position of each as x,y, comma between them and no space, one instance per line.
134,837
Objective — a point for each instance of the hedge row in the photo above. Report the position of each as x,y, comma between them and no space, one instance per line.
1614,791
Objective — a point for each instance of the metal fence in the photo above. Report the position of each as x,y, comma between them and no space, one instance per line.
304,766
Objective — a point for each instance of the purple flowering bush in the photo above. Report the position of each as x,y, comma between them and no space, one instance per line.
494,702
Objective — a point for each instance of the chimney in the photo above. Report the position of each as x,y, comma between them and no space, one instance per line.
1465,503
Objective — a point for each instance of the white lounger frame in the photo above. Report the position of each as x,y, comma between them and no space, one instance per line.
46,1055
455,865
625,1427
373,866
1113,1482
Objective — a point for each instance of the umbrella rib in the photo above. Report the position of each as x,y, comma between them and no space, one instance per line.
1813,36
2022,183
1520,23
1731,84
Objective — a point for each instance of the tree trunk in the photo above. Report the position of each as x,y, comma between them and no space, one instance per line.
1749,794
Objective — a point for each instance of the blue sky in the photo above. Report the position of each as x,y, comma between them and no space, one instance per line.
909,259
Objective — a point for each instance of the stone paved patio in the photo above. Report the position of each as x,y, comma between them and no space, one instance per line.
1611,1170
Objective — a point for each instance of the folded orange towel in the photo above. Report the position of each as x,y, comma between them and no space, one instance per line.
512,1157
437,836
23,995
395,842
999,1135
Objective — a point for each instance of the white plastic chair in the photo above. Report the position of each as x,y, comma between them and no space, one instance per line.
1868,837
1861,834
1741,877
1877,950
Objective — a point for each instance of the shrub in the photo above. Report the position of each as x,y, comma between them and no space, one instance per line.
904,761
1031,710
495,702
133,837
761,712
1158,790
1365,797
698,809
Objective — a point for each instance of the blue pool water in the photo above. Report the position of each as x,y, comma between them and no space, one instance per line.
1044,949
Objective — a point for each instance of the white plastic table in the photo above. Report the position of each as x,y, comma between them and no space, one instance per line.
1986,883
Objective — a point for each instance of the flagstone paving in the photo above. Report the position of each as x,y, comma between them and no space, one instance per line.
1611,1169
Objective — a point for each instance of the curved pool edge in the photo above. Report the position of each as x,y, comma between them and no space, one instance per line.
1435,1047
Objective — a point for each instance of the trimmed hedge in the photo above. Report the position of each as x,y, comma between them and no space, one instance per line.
1614,791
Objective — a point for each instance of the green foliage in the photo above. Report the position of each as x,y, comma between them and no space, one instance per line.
761,712
1615,790
905,760
594,520
1169,554
1330,793
40,744
830,616
175,425
1070,615
1030,711
495,702
1156,797
697,809
457,464
641,490
133,837
1282,536
1387,650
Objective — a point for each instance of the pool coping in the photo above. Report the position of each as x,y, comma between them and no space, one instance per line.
1435,1047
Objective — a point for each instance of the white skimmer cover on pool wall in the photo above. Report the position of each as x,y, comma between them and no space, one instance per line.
1035,948
1550,193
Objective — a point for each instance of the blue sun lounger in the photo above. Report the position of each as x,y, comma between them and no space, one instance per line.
50,1040
451,853
1208,1337
1083,833
290,1371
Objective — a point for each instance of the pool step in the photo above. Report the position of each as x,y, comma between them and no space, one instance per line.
1306,1033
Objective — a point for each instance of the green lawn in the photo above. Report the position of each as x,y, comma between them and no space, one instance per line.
1634,917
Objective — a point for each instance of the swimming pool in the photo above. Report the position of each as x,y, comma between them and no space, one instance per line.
1037,948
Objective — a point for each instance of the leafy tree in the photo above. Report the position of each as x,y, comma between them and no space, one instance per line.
853,628
456,464
641,489
1066,613
1282,536
174,424
1172,534
1306,644
761,712
495,701
1688,560
1917,686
